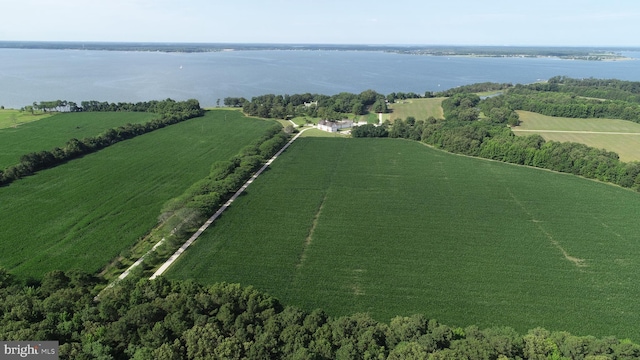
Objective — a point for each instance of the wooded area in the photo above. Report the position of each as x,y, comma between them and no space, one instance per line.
164,319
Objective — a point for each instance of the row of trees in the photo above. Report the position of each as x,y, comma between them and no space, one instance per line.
50,106
334,107
226,177
162,107
170,112
182,215
474,88
611,89
565,97
164,319
154,106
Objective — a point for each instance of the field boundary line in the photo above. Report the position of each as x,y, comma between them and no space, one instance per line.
204,227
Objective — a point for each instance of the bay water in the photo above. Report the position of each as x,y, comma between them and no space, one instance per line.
28,75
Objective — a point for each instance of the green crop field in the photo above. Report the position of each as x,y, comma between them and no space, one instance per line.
84,213
56,130
10,118
420,109
620,136
393,227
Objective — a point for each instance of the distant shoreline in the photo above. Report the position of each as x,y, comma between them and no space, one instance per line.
567,53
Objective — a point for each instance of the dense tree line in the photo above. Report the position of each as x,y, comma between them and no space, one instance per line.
170,112
611,89
461,106
164,108
369,130
565,97
164,319
184,214
392,97
474,88
49,106
334,107
161,107
226,177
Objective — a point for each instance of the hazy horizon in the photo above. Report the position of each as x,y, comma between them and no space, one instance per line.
546,23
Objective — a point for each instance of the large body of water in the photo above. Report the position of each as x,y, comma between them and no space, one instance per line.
76,75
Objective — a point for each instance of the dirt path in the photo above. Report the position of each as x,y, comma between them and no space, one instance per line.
193,238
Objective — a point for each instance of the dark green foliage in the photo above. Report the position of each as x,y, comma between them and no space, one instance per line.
369,130
475,88
391,98
566,97
611,89
461,106
164,319
334,107
234,102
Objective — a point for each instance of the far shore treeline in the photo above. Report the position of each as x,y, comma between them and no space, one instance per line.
576,53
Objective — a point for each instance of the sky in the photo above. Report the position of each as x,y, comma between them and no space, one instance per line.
416,22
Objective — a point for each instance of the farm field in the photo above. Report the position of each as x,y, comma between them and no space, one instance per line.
620,136
392,227
420,109
14,118
84,213
56,130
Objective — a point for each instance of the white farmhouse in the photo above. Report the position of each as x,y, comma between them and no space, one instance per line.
334,126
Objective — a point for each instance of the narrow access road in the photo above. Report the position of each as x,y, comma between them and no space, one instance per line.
193,237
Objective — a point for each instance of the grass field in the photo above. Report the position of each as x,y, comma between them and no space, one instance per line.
420,109
84,213
55,131
392,227
620,136
14,118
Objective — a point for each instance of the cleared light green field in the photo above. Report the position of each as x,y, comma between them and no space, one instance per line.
392,227
420,109
56,130
14,118
620,136
83,213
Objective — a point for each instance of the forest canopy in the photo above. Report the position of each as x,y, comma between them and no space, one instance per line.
164,319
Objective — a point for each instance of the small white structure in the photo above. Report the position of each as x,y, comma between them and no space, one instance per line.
334,126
